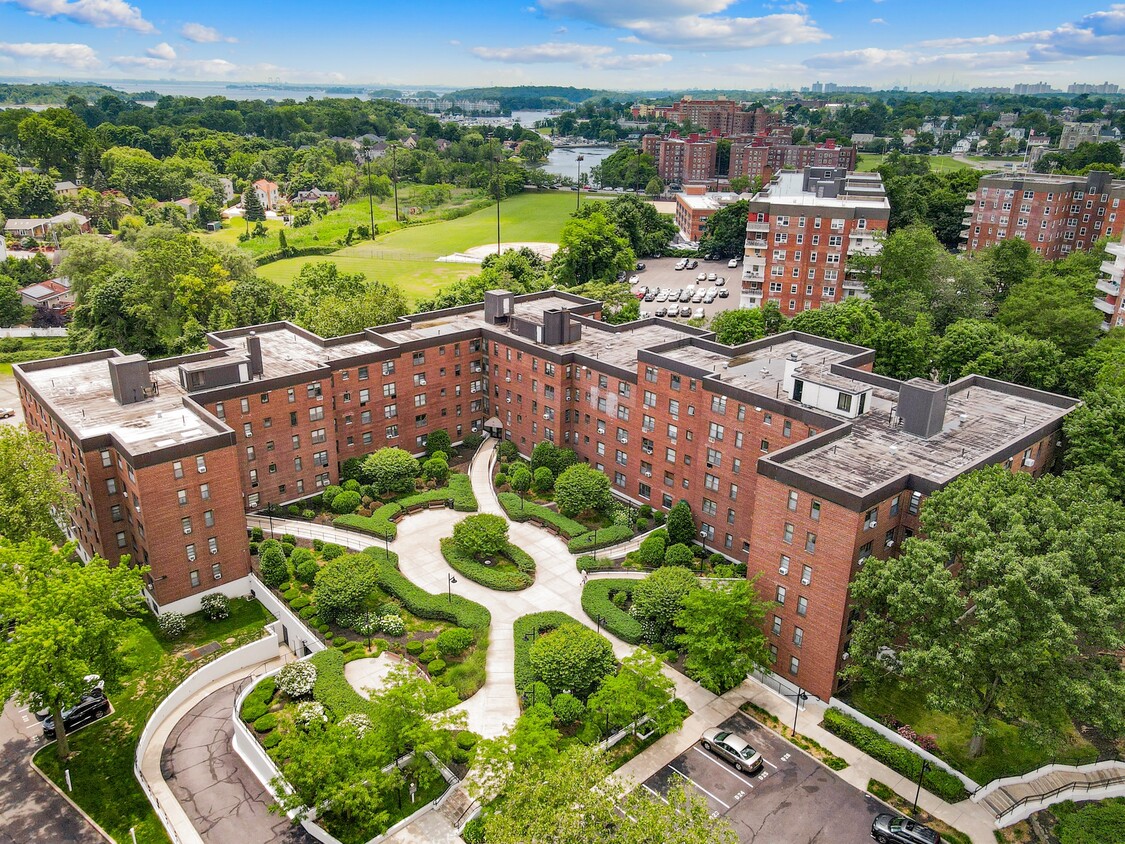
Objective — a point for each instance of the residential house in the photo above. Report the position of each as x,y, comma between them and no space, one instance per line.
268,195
52,293
303,197
41,227
66,189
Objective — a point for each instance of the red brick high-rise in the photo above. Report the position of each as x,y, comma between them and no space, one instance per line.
795,459
688,159
763,156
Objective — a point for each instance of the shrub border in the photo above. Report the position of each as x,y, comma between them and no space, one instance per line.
596,602
502,581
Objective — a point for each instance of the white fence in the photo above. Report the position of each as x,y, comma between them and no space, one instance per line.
971,785
292,630
254,653
26,333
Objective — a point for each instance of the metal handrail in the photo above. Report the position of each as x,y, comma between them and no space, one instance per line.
1055,792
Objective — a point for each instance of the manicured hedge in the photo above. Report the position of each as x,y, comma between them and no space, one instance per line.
527,625
894,756
537,512
379,523
588,562
604,536
504,581
333,689
257,702
596,602
461,611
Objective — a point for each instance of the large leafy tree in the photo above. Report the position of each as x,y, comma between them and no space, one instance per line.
390,470
64,619
591,249
1012,606
658,599
573,658
639,689
31,488
723,634
573,799
726,230
1095,439
482,535
649,232
1068,321
979,347
739,325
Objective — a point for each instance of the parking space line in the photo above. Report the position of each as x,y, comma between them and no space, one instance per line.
726,768
768,762
701,788
656,793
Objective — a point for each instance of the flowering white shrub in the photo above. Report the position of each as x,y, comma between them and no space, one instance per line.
392,625
172,624
358,723
310,712
297,679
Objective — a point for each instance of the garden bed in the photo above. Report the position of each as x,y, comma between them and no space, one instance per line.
810,746
510,572
598,601
382,520
901,805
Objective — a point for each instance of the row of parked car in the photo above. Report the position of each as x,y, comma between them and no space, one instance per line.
699,295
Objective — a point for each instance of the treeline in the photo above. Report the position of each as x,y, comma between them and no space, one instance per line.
531,96
55,93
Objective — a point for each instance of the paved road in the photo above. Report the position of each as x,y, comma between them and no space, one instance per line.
225,801
792,799
30,811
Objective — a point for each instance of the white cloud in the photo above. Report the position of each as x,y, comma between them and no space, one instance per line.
986,40
192,68
201,34
99,13
1100,33
78,56
879,21
693,22
163,50
879,59
587,55
454,42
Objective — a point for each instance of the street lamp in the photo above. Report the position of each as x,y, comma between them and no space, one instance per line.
578,199
495,187
394,173
918,792
595,548
387,541
269,514
452,580
703,541
798,699
370,193
601,620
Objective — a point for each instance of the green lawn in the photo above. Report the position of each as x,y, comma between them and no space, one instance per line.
101,763
938,163
1006,751
407,257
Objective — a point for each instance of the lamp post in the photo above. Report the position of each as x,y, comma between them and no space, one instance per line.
595,548
798,699
578,199
495,187
703,542
269,515
394,175
918,791
600,619
387,542
452,580
370,193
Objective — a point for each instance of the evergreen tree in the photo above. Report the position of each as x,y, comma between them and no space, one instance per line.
252,206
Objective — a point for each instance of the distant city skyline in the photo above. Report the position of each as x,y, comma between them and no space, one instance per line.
617,45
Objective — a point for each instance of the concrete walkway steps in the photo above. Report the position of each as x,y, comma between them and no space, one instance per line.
1075,781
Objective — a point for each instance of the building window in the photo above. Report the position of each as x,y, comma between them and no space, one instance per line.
780,596
798,636
177,469
802,606
814,511
201,464
209,518
107,461
217,571
810,542
213,545
787,534
793,499
205,492
120,539
776,629
193,576
111,486
794,665
185,523
190,549
806,575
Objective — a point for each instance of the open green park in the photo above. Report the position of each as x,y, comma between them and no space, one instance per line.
868,162
407,255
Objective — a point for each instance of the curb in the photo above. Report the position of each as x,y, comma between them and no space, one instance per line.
66,797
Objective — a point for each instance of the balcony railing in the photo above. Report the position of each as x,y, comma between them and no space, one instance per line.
1108,285
1104,306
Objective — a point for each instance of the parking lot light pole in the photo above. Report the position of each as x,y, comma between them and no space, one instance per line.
918,792
798,699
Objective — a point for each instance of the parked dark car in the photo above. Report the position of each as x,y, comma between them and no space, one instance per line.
640,266
890,829
733,748
91,707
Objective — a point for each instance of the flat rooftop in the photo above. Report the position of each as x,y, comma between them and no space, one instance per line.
82,396
762,370
979,421
434,325
787,187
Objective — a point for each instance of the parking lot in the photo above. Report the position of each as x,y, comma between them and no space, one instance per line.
661,273
792,799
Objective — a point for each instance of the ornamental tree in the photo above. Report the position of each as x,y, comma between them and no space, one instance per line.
482,535
30,487
390,470
343,584
582,487
572,658
723,634
520,480
438,441
637,690
65,623
659,598
681,525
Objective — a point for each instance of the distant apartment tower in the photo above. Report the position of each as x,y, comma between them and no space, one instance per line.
1055,214
1088,88
1111,303
679,160
1074,134
1033,88
761,156
801,231
722,116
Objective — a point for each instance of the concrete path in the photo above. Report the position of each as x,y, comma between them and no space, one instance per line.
222,797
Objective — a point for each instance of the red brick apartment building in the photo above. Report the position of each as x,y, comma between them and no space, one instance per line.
763,156
722,116
801,231
678,160
1055,214
794,458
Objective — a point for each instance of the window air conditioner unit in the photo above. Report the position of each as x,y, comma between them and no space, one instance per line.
871,524
783,570
191,558
890,543
805,581
218,575
216,551
187,530
1029,462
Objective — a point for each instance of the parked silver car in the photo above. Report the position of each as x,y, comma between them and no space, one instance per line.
733,748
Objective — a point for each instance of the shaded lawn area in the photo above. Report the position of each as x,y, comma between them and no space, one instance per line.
1006,751
101,763
868,162
407,257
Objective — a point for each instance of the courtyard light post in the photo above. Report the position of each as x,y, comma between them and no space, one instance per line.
394,175
918,791
452,580
600,620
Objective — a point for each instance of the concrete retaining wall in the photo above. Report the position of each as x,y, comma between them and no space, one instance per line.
292,630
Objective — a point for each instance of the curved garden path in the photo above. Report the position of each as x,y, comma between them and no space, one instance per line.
558,586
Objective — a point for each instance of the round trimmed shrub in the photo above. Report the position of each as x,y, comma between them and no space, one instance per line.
340,641
644,511
543,479
272,565
253,549
435,470
346,502
322,628
572,657
466,740
329,493
435,666
287,548
318,544
271,740
308,515
454,641
473,833
307,612
253,708
306,571
332,551
310,712
538,692
299,603
290,539
216,606
679,555
293,511
266,723
658,517
297,679
501,479
257,534
414,647
351,485
172,624
567,707
300,555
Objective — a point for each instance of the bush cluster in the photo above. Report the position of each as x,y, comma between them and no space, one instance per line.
590,563
894,756
297,679
172,624
216,606
461,611
597,600
530,625
504,581
452,642
257,702
603,536
380,523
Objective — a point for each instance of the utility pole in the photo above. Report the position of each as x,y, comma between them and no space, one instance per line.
578,199
394,175
496,187
370,193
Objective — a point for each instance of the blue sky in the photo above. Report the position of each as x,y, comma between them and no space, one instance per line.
617,44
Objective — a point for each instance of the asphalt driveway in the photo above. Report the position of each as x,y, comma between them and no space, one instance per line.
792,799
